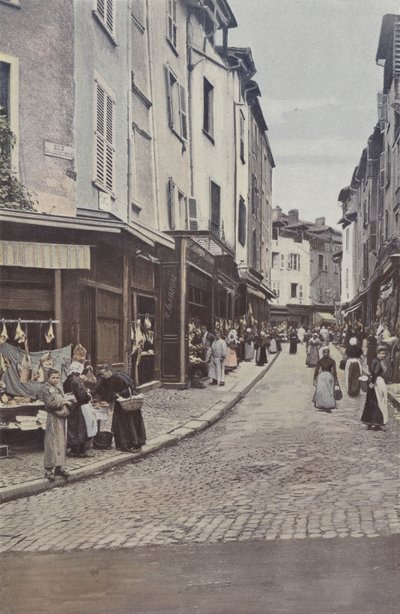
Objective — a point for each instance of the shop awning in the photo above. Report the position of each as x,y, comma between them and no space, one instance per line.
256,293
324,316
44,255
149,235
352,308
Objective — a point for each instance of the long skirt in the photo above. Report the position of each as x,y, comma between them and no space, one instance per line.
273,348
375,408
55,442
396,367
352,372
261,356
324,391
217,369
248,350
128,428
77,432
312,356
231,361
293,347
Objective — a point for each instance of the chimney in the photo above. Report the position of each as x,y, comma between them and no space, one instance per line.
293,216
320,221
277,214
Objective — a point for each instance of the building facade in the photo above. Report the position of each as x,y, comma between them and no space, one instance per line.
145,150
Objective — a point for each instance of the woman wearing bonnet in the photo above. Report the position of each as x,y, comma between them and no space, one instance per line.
55,440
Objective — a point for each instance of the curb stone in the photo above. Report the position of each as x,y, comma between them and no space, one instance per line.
188,429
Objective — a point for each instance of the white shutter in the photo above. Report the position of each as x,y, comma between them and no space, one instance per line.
192,214
110,15
289,262
182,112
169,80
104,139
282,261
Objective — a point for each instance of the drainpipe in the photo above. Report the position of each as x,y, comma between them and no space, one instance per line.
153,122
190,101
129,112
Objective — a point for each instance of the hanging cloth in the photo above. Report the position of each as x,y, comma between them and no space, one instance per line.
4,333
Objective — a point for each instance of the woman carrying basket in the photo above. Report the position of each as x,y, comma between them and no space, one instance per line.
127,426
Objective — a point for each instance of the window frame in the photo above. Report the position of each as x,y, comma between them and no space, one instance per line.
13,103
293,286
242,222
172,26
208,109
177,107
213,223
109,145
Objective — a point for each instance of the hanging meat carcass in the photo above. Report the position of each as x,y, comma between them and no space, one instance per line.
20,335
4,333
49,336
25,369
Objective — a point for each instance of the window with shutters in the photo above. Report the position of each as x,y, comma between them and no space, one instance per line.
171,203
105,15
382,169
177,109
300,291
294,262
254,195
171,23
193,222
104,138
275,233
275,288
208,108
396,49
293,290
242,222
282,262
254,249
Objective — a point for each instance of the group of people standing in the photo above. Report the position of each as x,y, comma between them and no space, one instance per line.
71,421
364,368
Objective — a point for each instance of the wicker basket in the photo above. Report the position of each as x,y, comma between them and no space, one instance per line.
132,403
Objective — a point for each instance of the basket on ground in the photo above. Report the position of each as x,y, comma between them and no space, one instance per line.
132,403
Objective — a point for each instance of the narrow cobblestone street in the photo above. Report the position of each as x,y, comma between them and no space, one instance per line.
274,468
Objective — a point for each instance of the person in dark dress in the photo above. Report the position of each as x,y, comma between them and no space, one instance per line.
353,369
372,344
375,413
76,432
262,345
293,341
127,426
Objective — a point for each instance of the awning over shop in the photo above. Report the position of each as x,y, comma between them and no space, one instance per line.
256,293
352,308
149,235
324,316
44,255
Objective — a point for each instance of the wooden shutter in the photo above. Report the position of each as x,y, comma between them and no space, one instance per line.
171,203
382,168
169,82
396,49
242,222
182,112
192,214
104,138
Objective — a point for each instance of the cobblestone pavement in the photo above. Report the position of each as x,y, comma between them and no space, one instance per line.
164,410
275,467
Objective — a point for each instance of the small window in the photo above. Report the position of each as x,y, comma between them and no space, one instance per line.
293,290
242,222
171,23
294,262
275,233
254,249
182,209
275,288
275,260
254,195
208,108
321,262
104,136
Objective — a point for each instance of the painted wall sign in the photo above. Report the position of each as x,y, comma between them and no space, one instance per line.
58,151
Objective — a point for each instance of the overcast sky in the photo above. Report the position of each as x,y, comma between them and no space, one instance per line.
316,69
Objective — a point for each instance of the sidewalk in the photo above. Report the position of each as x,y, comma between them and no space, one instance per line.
169,415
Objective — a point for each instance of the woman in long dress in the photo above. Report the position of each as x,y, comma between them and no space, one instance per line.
293,341
325,378
375,413
77,430
231,361
248,345
312,357
261,354
127,426
55,439
353,368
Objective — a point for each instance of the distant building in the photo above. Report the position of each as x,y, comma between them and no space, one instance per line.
304,276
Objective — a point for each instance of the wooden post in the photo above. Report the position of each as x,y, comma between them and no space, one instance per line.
57,308
125,311
182,310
